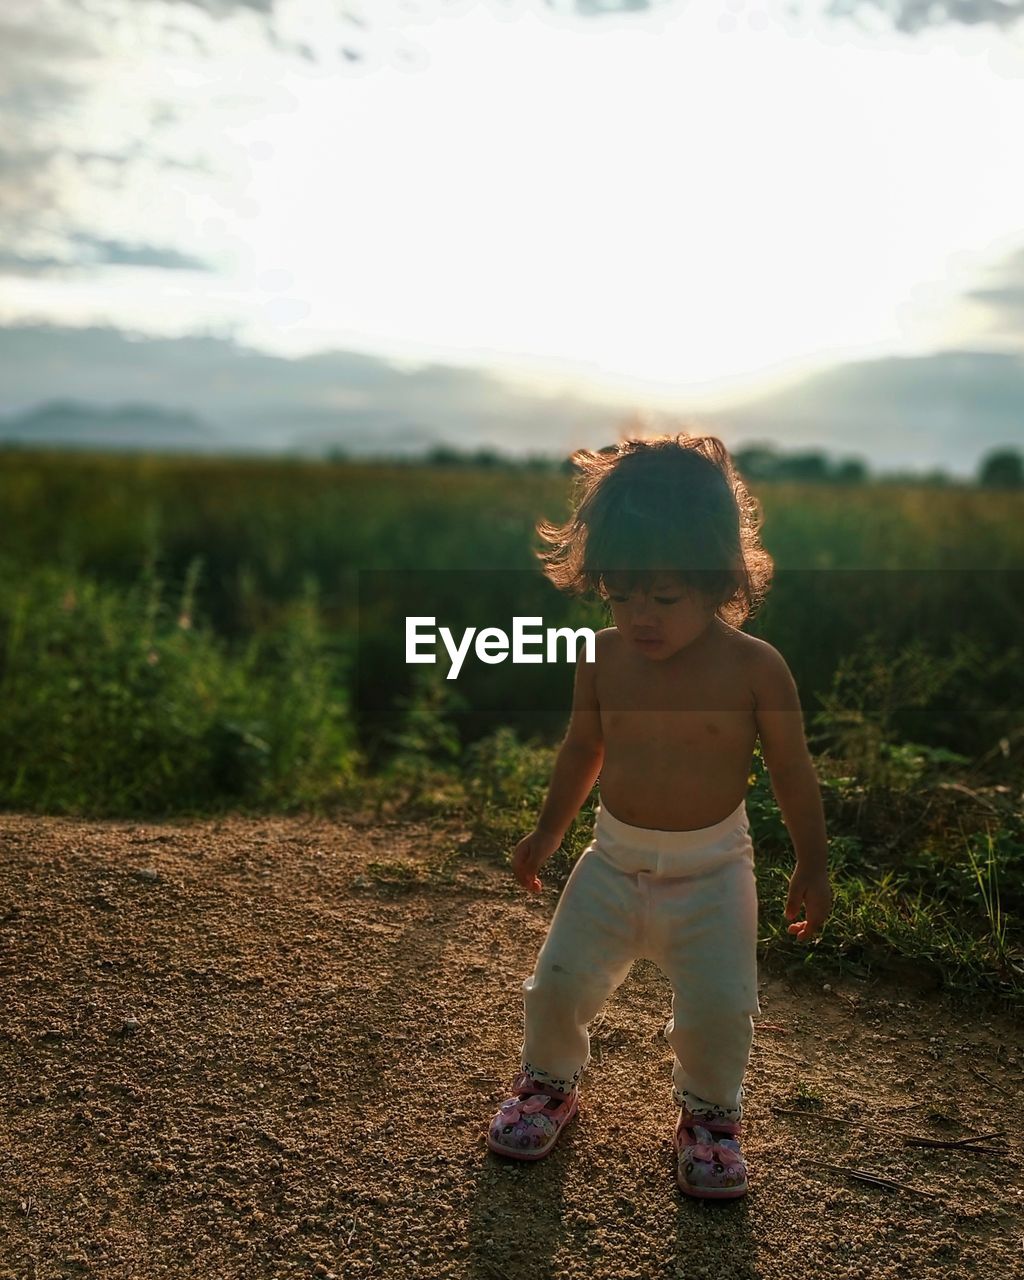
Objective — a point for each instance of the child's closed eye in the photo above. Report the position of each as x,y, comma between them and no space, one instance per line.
667,599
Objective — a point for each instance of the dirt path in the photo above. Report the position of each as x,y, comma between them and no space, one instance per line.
233,1049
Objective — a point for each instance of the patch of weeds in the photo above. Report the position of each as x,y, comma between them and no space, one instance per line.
918,893
859,715
395,875
804,1098
506,782
422,774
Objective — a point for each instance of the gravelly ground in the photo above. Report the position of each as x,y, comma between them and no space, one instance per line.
235,1048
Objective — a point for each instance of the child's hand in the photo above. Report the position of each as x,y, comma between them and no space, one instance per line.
813,890
530,855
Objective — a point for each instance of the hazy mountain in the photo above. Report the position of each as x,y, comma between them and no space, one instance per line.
208,393
258,402
914,412
128,426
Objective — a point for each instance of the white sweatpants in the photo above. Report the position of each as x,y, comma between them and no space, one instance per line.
686,900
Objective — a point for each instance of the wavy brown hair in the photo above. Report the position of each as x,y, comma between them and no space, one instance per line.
673,504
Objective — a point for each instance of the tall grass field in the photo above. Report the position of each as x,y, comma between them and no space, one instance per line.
182,637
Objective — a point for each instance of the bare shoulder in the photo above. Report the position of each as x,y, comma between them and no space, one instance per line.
607,648
607,643
585,722
771,680
751,649
607,639
735,646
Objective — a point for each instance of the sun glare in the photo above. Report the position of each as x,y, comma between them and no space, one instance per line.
671,212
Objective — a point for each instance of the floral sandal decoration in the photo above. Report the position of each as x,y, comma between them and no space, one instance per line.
529,1124
709,1167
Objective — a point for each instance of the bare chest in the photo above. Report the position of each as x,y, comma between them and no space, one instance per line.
678,739
705,708
660,727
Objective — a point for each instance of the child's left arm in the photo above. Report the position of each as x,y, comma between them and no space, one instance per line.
784,747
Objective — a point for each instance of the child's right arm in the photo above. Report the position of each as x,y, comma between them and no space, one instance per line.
576,768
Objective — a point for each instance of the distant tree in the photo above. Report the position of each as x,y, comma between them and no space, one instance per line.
804,466
757,462
765,462
1002,469
443,455
850,471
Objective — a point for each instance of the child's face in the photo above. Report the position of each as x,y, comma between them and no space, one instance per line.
661,618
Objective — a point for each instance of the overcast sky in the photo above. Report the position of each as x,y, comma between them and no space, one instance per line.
692,202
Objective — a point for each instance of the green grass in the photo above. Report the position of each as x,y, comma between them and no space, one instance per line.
120,702
804,1097
863,573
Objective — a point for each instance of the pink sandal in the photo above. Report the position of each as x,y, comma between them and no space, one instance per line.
705,1168
528,1125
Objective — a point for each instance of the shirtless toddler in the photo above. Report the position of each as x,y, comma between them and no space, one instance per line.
666,718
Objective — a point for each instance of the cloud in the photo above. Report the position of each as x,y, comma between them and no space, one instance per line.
84,135
1009,301
16,264
41,80
227,8
912,16
356,13
100,250
30,47
93,123
906,15
1004,297
602,8
45,75
94,252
